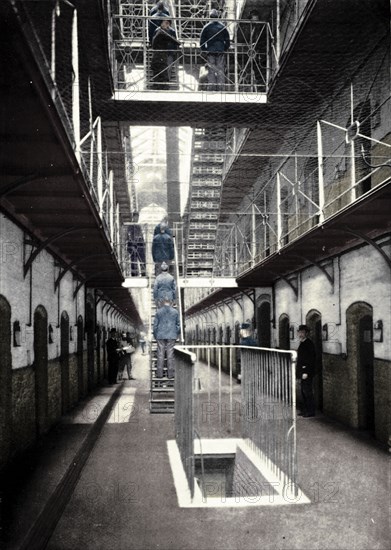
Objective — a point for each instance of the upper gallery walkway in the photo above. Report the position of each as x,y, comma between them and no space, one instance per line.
123,495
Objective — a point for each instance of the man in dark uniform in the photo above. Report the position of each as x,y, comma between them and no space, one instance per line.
164,46
112,348
162,248
306,361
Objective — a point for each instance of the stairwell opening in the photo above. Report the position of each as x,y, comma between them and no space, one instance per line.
228,473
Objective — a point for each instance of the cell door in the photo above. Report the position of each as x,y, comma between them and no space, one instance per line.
366,392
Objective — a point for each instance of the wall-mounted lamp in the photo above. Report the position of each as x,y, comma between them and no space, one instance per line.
50,334
292,332
71,333
325,332
17,331
378,331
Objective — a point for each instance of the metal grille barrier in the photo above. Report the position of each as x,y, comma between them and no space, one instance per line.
261,412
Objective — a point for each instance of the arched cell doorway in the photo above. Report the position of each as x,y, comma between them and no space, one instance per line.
5,380
90,331
80,372
41,368
98,331
283,332
64,361
263,324
314,323
103,344
359,320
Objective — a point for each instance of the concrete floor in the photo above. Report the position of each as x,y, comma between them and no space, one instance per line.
125,497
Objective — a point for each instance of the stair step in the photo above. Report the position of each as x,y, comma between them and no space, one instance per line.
160,401
163,390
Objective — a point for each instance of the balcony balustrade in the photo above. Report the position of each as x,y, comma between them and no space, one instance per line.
248,62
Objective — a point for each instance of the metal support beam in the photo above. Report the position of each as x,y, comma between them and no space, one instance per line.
73,264
369,241
289,282
48,242
250,294
19,183
329,277
89,279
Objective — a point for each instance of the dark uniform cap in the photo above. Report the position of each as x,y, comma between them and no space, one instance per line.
303,327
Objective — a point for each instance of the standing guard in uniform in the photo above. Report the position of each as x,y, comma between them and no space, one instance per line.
164,45
306,364
215,42
113,348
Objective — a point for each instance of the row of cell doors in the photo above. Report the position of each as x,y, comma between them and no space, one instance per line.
359,320
40,366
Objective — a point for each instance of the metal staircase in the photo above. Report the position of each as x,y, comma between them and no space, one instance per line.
162,390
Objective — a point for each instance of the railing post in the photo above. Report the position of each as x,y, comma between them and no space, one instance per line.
53,48
279,220
118,233
99,155
278,32
112,207
253,235
320,172
75,86
353,193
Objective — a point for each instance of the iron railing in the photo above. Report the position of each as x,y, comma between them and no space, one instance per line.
247,62
263,414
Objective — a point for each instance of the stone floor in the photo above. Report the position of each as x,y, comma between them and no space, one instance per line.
124,497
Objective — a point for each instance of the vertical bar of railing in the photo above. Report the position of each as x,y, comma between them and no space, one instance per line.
220,406
230,387
53,51
293,477
278,32
279,213
209,380
178,290
320,172
76,86
352,159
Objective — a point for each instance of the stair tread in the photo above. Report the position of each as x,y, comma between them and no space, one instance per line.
168,400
